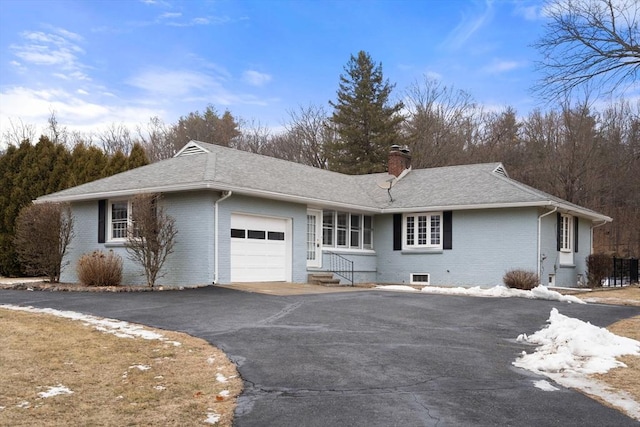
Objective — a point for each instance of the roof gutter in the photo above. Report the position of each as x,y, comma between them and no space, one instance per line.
539,261
591,233
216,275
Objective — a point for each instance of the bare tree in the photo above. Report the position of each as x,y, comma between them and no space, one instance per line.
116,137
43,234
152,235
156,140
255,137
308,132
440,123
56,132
18,132
589,41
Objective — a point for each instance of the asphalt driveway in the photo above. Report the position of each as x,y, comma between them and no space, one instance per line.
370,358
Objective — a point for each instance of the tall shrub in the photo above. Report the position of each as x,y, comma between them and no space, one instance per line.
599,267
43,234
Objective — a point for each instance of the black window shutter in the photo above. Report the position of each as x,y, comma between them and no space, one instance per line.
447,234
575,234
559,231
397,232
102,223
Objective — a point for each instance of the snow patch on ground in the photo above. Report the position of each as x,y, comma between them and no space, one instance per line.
212,418
540,292
55,391
221,378
140,367
569,350
118,328
544,385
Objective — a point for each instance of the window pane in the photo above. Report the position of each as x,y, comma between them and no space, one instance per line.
435,229
367,234
327,228
355,231
119,219
341,229
422,230
237,233
256,234
410,230
275,235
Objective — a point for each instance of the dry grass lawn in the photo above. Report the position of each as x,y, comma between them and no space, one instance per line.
629,295
113,380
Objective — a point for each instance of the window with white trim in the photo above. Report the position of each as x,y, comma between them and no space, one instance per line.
347,230
119,219
422,230
566,233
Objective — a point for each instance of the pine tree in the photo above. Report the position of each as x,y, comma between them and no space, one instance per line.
137,157
366,123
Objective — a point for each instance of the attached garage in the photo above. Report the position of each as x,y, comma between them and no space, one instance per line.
260,248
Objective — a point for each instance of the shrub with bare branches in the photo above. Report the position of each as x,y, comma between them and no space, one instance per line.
151,237
100,269
521,279
43,234
599,267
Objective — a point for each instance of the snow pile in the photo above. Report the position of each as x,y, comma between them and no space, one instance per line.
540,292
569,350
118,328
571,345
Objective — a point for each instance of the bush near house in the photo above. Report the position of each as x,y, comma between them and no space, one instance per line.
100,269
598,268
521,279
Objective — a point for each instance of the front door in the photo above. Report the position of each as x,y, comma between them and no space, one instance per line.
314,239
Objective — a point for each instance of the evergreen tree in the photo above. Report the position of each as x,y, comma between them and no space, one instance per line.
117,163
366,122
137,157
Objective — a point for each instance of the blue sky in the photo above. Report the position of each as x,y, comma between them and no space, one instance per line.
100,62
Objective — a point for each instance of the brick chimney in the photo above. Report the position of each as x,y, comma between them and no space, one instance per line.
399,160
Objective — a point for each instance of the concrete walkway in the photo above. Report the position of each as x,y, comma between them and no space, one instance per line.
287,288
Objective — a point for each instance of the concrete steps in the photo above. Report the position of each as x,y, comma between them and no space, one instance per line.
323,279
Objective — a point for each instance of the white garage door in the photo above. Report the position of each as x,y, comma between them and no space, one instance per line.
259,249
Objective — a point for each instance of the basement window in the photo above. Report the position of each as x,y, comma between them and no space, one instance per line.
420,278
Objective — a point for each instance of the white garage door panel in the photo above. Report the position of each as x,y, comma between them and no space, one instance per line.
259,260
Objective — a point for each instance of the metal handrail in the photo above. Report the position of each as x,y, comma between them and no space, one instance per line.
341,266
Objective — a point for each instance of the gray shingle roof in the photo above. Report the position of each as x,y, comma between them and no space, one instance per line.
221,168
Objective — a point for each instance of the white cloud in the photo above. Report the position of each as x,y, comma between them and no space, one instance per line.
256,78
172,83
56,49
468,26
432,75
170,15
34,106
501,66
530,13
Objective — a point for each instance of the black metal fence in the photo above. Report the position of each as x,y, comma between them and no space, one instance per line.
625,272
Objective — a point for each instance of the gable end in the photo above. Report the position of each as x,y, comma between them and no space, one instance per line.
500,170
190,149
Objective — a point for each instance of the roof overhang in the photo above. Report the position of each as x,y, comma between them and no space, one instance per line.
562,207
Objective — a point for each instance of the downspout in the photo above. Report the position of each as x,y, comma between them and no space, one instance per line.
226,195
591,237
539,262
